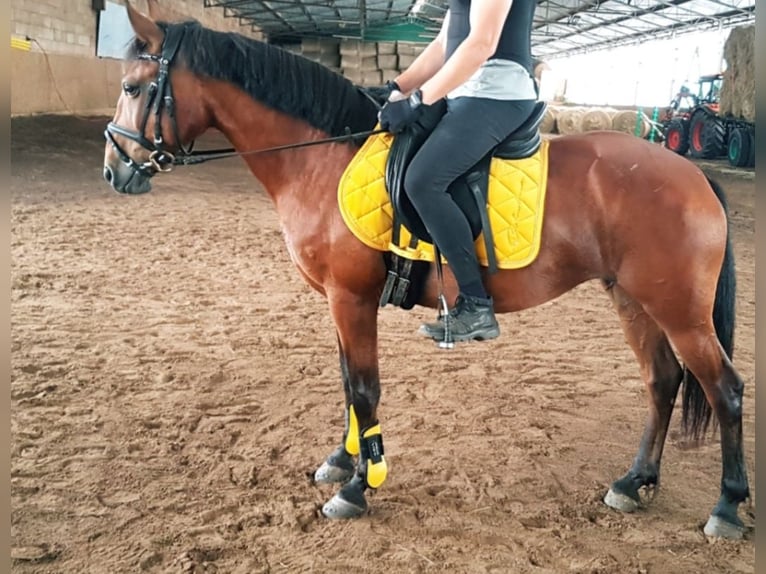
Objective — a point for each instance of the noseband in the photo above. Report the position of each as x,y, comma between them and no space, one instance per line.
160,97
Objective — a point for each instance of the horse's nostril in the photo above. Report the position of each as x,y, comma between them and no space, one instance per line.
108,175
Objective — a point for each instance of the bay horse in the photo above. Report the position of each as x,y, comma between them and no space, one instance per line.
644,221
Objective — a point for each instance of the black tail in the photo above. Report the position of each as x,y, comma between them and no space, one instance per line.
696,410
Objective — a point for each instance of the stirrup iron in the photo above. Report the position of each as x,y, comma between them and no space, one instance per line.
447,342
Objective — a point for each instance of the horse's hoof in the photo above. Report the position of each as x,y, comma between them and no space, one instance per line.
338,508
330,474
620,502
721,528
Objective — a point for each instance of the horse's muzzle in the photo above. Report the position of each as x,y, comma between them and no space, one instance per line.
124,179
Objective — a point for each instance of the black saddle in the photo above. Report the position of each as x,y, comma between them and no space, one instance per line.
470,190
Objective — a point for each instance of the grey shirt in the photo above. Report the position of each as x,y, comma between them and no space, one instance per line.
498,80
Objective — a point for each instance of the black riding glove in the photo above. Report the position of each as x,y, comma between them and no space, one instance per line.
382,93
396,116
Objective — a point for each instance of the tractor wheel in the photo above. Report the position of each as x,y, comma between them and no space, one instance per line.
706,136
739,147
677,136
751,159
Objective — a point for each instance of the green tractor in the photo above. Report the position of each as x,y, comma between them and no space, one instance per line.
697,128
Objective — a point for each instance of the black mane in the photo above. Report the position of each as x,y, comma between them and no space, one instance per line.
275,77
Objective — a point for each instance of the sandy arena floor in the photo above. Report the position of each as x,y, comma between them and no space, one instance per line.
175,384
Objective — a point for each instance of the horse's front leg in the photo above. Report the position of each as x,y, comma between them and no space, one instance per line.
356,322
339,466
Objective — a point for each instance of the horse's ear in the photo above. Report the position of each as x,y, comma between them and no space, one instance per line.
145,29
155,12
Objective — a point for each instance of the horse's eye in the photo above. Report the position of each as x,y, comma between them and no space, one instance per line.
131,90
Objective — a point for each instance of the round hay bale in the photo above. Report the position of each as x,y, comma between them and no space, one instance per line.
626,121
568,121
595,119
548,125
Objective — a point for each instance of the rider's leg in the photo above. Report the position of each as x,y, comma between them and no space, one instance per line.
470,128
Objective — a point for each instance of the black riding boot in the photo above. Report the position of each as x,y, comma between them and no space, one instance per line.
472,318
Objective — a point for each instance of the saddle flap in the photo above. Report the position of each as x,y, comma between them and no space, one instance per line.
403,149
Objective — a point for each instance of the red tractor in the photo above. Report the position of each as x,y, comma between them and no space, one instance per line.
698,129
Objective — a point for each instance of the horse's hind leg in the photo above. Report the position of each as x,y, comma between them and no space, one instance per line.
703,355
662,374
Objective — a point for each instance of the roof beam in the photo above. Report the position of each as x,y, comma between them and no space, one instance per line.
559,25
731,18
637,13
296,5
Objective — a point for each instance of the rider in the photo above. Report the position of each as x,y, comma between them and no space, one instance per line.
481,62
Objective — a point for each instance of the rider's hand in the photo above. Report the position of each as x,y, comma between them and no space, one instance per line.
397,115
383,93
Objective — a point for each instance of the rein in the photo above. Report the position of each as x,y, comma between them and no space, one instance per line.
161,98
195,157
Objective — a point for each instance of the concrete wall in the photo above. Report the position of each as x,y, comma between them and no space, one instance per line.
61,72
62,83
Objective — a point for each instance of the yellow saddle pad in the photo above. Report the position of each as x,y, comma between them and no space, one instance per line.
516,199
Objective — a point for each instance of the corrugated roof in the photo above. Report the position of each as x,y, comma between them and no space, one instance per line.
562,27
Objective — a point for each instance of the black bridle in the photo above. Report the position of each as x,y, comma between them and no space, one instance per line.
160,97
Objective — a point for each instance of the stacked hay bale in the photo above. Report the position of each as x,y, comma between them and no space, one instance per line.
371,63
388,60
359,62
738,89
326,51
407,52
364,63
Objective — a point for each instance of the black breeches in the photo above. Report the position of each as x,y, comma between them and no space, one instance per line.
465,134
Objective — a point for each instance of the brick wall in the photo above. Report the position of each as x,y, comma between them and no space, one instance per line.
61,73
69,26
58,26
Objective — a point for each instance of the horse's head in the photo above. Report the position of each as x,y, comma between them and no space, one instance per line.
147,130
